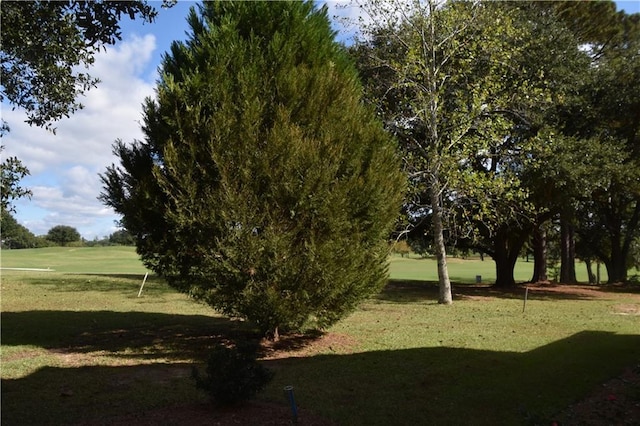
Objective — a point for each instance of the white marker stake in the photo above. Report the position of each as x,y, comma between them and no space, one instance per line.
526,293
143,281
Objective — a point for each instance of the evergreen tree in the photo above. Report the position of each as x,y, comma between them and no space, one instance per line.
264,187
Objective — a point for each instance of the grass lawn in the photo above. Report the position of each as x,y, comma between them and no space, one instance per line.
78,344
466,270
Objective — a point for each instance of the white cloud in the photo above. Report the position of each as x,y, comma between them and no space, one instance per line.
65,166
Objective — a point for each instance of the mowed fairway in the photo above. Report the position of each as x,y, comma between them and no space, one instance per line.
466,270
79,346
76,260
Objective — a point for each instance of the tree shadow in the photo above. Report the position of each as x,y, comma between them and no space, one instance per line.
131,335
632,288
96,395
133,277
287,343
457,386
408,291
107,283
402,387
411,291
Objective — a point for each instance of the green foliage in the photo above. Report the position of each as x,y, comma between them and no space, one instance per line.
122,237
264,187
603,118
232,374
401,247
467,87
46,43
11,173
14,235
63,235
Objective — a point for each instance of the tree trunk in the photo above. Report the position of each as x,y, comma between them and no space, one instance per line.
590,274
505,255
567,252
504,272
539,255
616,268
621,236
273,335
441,254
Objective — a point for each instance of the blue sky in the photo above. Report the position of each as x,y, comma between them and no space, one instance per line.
65,167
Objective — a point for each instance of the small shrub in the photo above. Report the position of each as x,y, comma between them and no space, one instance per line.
233,375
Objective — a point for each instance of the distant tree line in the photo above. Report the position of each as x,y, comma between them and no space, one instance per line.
16,236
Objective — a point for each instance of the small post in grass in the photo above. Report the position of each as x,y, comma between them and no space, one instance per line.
143,281
526,293
294,410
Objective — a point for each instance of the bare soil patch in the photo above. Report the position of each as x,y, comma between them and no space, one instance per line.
608,291
299,345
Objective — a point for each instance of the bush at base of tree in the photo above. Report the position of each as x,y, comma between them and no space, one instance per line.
232,375
264,186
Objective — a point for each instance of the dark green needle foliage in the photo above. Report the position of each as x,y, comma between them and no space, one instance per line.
264,186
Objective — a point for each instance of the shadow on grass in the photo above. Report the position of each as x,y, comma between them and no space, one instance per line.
456,386
95,395
618,288
108,283
400,387
131,335
410,291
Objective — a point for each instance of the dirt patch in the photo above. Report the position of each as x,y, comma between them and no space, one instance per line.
610,291
20,355
627,309
299,345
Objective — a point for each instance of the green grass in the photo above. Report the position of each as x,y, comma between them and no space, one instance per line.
415,362
77,260
83,345
465,270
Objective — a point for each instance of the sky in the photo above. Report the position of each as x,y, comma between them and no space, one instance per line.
65,167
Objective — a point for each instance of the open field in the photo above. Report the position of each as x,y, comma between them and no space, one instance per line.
124,260
79,345
76,260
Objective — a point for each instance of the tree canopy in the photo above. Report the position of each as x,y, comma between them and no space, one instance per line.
264,186
16,236
11,173
63,235
502,110
45,44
